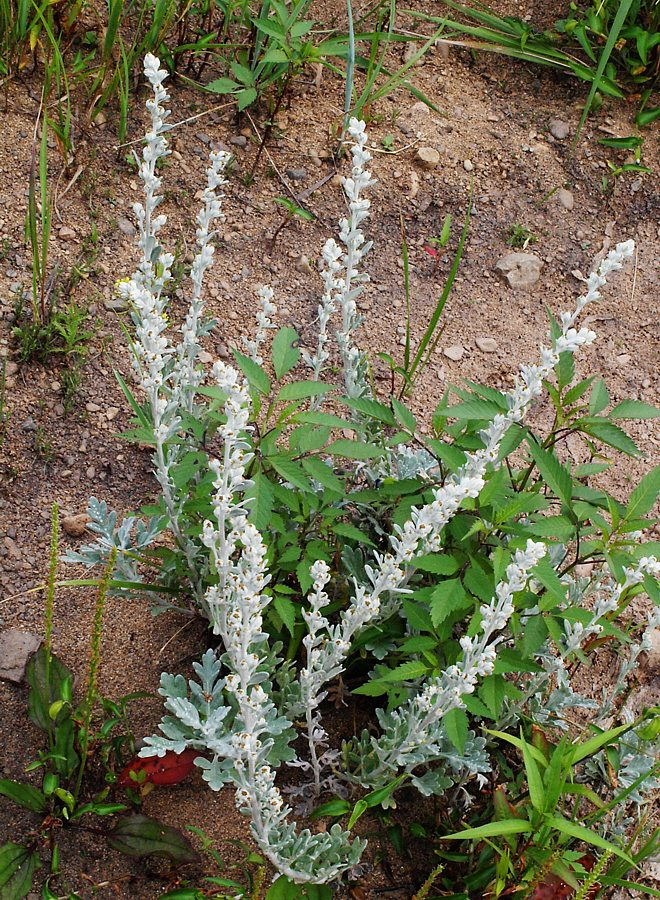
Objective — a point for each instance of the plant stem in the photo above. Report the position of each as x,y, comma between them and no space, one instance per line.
94,660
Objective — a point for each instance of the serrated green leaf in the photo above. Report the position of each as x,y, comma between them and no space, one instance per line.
301,390
417,616
354,449
345,529
255,375
437,563
644,496
447,598
552,472
292,472
372,409
599,397
286,610
404,416
612,435
477,408
407,671
634,409
323,474
222,86
261,498
285,351
456,727
492,693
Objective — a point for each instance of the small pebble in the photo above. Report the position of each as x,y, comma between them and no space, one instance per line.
66,233
427,157
238,140
559,129
454,352
126,227
468,165
296,174
111,413
75,526
486,344
565,198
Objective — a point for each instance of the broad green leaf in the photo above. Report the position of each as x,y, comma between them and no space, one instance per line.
253,372
418,616
40,698
599,397
246,97
17,868
139,835
534,780
591,746
447,598
354,449
572,829
291,471
323,474
283,889
565,369
404,416
407,671
261,497
437,563
552,472
492,692
475,409
345,529
372,409
286,610
613,435
222,86
644,496
456,726
491,829
334,807
24,795
301,390
634,409
285,352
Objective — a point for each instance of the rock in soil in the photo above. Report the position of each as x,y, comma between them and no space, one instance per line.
565,198
75,526
559,129
427,157
16,648
486,344
454,352
521,270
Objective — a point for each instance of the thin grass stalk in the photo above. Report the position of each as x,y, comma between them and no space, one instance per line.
421,358
613,37
50,606
350,68
406,289
94,662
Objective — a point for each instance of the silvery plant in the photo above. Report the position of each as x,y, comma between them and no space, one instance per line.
244,706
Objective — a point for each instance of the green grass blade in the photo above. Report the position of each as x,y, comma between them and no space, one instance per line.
612,38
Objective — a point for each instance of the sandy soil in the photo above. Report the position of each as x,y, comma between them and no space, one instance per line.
494,137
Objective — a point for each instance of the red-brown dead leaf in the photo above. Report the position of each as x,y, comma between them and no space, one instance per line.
169,769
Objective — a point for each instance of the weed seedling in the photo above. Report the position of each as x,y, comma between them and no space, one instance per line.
520,237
